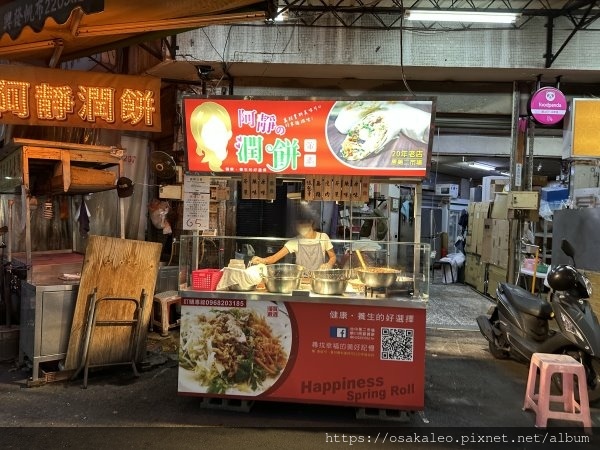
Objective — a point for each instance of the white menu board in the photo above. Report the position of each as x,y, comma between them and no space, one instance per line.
195,211
196,202
195,183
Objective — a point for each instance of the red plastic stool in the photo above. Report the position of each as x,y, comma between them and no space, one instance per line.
548,365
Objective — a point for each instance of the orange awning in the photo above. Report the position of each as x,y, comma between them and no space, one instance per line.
117,24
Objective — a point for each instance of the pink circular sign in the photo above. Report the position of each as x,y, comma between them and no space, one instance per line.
548,106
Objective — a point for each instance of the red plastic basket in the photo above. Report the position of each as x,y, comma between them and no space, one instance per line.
206,279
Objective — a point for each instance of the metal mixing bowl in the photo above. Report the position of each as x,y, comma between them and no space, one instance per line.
332,274
377,277
325,286
238,288
284,270
282,285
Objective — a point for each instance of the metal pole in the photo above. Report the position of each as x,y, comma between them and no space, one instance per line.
514,161
417,237
514,134
529,182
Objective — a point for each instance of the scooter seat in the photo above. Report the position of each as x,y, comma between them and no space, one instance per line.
526,302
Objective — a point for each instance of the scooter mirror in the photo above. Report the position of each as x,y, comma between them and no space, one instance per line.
567,248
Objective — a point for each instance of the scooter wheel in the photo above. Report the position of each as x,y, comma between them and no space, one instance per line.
497,352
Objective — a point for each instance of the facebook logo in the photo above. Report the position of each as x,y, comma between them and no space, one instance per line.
338,332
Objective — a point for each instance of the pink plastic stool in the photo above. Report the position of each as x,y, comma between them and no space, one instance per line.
549,364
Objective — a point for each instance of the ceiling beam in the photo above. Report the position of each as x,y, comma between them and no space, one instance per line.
165,24
583,21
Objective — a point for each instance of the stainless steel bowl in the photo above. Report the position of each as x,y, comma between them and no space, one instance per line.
282,285
332,274
238,288
377,277
326,286
284,270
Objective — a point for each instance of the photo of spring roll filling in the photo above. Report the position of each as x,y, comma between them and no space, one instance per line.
352,113
370,135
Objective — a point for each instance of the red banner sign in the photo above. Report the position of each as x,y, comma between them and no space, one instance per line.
323,137
360,356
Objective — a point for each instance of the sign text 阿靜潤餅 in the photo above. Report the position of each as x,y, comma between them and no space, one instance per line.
51,97
309,137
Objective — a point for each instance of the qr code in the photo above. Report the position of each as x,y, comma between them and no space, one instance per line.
397,344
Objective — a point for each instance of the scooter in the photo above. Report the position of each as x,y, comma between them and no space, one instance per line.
518,324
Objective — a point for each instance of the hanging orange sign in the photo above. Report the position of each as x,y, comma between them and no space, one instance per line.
35,96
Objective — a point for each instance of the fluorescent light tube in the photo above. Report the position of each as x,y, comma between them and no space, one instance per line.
436,15
481,166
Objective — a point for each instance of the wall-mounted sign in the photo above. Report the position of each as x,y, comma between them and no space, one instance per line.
317,137
548,106
584,129
196,203
68,98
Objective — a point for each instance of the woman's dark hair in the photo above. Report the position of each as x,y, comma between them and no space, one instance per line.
306,216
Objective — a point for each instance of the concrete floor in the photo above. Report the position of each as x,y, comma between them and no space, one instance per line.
465,388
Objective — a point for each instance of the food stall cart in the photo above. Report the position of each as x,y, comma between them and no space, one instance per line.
45,169
360,346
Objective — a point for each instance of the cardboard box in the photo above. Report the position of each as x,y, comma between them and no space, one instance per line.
496,275
498,186
501,233
475,272
539,180
495,245
470,242
488,241
594,278
481,213
487,193
500,244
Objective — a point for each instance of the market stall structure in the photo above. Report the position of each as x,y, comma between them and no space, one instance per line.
277,338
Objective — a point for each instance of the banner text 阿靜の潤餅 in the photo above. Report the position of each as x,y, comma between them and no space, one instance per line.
327,137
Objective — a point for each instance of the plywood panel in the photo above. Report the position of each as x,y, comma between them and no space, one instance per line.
116,267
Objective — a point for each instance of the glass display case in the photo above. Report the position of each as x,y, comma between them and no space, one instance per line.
367,269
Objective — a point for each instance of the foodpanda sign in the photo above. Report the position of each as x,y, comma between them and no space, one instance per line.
548,106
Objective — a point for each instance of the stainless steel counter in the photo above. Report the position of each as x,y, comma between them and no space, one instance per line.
306,296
